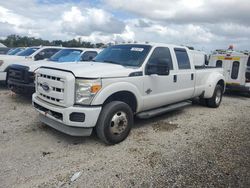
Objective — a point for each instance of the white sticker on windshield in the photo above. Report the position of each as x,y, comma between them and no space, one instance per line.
137,49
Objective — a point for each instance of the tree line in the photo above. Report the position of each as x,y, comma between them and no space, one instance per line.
24,41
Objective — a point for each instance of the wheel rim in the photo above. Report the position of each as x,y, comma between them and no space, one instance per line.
119,123
218,96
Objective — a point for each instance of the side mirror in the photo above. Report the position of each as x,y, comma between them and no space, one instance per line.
161,69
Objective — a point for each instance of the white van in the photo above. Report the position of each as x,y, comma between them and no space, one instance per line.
236,67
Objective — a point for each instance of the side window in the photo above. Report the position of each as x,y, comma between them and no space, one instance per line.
88,55
218,63
248,62
235,69
161,55
46,53
206,60
49,52
182,58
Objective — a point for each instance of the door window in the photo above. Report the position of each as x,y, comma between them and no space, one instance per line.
218,63
182,58
248,62
161,55
206,60
235,70
88,56
46,53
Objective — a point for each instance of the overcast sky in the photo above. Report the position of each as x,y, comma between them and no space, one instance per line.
204,24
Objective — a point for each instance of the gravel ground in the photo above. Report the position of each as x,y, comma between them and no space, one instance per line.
192,147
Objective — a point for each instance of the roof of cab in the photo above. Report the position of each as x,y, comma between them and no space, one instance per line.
153,44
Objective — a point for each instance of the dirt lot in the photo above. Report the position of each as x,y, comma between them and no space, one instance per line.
192,147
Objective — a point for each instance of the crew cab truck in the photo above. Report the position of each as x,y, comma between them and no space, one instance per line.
26,56
20,77
121,82
236,67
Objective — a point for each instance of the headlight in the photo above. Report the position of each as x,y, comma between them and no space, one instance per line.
85,90
1,62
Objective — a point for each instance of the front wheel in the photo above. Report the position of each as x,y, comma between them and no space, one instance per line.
115,122
215,100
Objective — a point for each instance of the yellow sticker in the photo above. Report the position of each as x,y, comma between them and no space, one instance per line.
229,58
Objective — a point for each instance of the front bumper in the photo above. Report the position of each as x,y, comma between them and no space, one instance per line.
3,76
60,118
19,87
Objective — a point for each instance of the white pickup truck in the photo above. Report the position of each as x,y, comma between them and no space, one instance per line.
20,76
123,81
27,55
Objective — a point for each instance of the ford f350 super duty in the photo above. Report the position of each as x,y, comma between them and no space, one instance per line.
123,81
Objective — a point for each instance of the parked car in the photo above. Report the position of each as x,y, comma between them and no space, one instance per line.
123,81
27,55
236,67
4,50
20,77
15,51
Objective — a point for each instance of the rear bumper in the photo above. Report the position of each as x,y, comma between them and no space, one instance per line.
74,120
241,88
3,76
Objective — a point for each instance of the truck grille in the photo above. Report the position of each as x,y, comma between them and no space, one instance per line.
19,73
15,74
55,88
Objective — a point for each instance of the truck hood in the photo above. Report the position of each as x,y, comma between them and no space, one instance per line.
33,65
9,60
11,57
94,69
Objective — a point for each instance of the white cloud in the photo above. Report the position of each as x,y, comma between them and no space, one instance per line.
205,24
90,20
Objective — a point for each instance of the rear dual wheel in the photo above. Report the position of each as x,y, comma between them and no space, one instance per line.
215,100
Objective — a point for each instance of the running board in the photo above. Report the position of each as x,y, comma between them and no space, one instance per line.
162,110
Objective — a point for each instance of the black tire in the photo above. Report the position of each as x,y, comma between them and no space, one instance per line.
115,116
215,100
203,101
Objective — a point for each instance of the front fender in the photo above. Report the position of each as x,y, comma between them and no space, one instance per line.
118,87
211,83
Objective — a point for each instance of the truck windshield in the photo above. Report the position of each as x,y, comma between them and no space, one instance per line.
27,52
67,55
126,55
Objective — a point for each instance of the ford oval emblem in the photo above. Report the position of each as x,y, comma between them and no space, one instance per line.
45,86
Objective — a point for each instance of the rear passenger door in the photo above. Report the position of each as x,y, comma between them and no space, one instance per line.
185,77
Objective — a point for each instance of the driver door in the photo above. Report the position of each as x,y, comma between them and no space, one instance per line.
159,90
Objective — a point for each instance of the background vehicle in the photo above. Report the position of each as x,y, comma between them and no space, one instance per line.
27,55
20,77
236,67
15,51
3,49
122,81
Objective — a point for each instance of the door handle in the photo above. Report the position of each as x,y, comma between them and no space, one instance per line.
192,76
175,78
